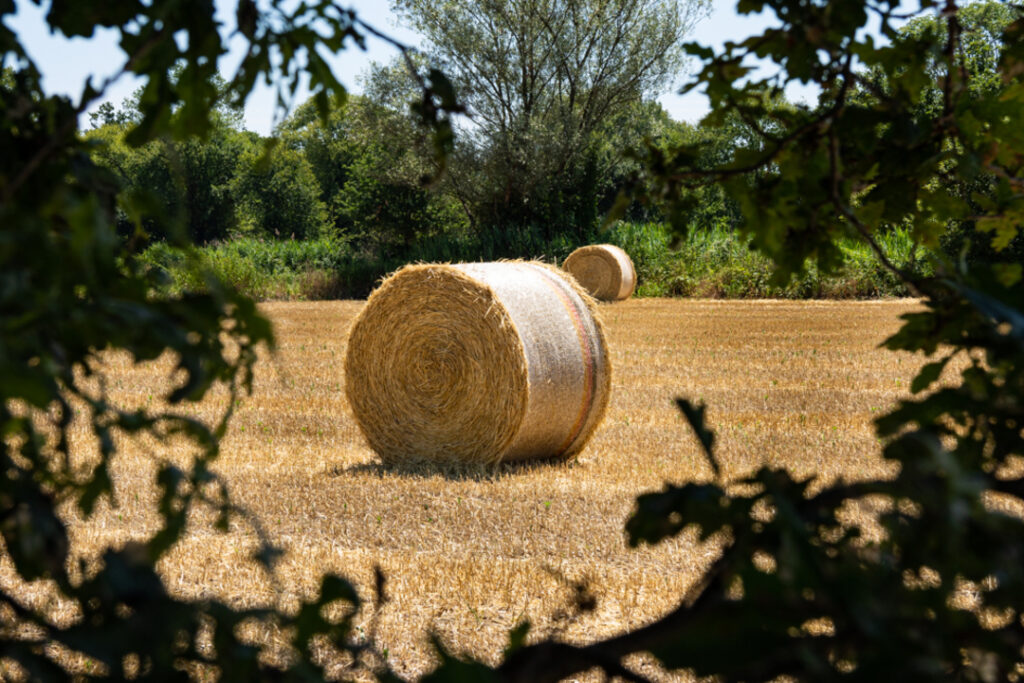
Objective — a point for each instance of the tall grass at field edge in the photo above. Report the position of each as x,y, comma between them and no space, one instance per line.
718,263
707,264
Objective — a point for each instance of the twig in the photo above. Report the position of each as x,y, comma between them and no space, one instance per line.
406,50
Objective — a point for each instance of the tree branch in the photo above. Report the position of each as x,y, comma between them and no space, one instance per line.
70,124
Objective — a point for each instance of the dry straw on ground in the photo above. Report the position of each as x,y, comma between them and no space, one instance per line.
471,552
604,270
480,362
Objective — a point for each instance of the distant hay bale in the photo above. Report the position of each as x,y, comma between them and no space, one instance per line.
603,270
477,363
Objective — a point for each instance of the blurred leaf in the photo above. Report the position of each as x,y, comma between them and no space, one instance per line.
928,374
35,537
694,414
454,670
517,637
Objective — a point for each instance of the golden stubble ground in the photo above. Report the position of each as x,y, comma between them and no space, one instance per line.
468,555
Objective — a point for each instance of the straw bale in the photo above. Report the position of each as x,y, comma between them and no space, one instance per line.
603,270
477,363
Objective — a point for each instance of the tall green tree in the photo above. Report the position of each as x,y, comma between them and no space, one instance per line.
277,195
176,185
225,183
540,78
370,159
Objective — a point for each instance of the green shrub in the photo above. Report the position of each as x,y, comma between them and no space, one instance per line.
278,195
717,263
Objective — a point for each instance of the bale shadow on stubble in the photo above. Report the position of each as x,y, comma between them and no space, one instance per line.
452,471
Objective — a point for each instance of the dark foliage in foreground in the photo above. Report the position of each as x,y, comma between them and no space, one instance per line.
933,590
71,289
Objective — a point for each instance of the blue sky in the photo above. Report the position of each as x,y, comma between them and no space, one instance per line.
66,64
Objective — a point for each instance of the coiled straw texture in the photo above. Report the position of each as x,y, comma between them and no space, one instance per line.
603,270
477,363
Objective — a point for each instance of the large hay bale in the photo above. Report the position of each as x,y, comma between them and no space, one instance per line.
604,270
477,363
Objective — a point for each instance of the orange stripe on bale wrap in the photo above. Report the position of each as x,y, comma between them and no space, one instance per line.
587,351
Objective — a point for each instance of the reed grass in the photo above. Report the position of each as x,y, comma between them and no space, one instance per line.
713,263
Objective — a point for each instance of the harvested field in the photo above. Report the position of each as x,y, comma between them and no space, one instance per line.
469,553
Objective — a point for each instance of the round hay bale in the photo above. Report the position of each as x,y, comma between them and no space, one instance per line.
604,270
477,363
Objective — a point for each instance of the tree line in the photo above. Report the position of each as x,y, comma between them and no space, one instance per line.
554,99
362,177
555,138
